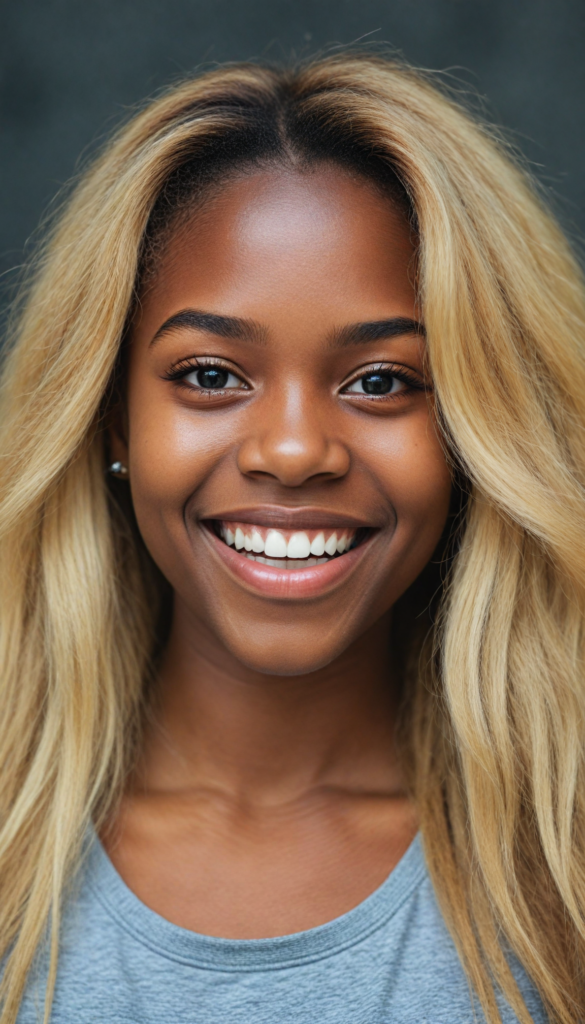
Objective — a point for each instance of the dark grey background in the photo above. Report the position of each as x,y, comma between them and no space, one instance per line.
71,69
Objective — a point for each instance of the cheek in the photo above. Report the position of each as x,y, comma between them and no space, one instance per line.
413,472
172,453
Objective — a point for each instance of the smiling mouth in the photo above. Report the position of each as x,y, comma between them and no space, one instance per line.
289,549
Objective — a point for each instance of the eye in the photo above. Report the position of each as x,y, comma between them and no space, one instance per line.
378,382
212,378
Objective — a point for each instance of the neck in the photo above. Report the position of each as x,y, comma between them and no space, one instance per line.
266,738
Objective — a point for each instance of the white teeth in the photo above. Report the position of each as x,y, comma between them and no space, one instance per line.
299,546
331,544
257,541
318,545
276,545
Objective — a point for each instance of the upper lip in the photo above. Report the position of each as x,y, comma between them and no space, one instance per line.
280,517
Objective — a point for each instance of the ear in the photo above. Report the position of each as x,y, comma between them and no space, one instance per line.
117,435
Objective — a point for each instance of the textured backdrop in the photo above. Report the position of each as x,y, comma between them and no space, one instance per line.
70,69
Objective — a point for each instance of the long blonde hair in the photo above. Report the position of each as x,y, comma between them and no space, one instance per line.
498,711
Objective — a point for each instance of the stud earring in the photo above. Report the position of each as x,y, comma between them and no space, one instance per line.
118,469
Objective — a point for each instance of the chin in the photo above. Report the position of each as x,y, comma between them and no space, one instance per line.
285,659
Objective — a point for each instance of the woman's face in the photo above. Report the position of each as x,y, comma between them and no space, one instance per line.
285,469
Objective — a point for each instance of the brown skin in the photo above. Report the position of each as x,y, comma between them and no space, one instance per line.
269,798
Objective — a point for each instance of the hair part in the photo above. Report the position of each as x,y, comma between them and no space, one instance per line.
496,708
259,136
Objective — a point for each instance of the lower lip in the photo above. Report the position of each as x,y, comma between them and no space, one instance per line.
288,584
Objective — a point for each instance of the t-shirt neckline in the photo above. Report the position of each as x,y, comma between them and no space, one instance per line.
211,953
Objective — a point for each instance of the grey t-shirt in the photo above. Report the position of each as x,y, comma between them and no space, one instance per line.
390,960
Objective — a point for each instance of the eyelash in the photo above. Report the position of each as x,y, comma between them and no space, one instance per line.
178,372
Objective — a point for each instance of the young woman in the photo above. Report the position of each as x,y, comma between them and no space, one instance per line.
293,563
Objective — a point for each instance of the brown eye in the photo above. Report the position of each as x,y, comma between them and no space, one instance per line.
376,383
213,378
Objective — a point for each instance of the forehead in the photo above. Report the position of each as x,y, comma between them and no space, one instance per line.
278,236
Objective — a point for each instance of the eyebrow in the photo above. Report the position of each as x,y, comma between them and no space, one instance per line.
211,323
249,330
376,330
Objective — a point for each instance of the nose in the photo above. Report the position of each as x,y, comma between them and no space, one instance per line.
292,439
